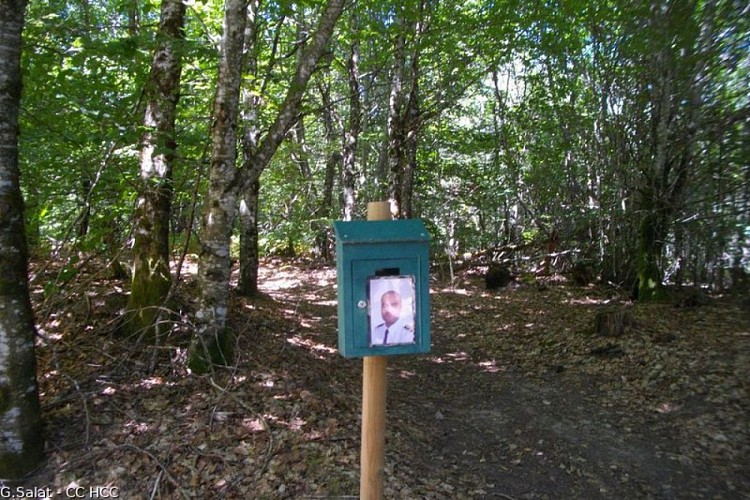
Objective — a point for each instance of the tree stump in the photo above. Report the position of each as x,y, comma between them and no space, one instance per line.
497,277
614,322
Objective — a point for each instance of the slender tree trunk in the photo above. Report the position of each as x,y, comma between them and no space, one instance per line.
22,443
249,236
301,153
404,118
323,236
212,342
85,217
411,137
151,274
396,132
247,285
351,135
256,159
650,245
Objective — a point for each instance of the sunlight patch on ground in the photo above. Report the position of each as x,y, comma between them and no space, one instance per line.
321,350
330,303
146,383
137,427
587,301
448,289
313,298
451,357
150,382
668,407
294,424
189,266
254,424
283,281
45,335
490,366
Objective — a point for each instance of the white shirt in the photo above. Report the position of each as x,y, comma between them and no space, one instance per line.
399,332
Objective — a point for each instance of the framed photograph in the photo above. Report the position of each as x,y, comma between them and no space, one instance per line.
392,311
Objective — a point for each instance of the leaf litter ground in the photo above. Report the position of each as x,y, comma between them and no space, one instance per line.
518,398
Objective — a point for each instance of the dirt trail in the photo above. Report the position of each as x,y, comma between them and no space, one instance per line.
504,436
511,402
518,399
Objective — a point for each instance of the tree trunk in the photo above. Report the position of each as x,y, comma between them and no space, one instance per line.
403,120
151,274
351,135
256,159
22,443
650,245
323,236
411,140
396,152
614,322
249,235
247,286
676,80
212,342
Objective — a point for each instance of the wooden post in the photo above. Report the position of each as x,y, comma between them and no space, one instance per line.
374,385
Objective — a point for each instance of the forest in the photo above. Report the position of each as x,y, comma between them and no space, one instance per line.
170,172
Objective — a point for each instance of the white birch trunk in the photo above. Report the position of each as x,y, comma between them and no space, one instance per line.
212,344
21,440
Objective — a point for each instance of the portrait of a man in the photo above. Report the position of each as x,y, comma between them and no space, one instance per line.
392,311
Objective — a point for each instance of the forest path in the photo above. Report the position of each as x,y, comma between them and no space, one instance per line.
503,435
514,400
518,398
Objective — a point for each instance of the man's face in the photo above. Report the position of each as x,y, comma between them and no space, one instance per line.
390,307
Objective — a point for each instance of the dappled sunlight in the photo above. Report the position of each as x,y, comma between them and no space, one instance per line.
490,366
450,357
321,351
668,407
294,423
448,290
254,425
406,374
150,382
137,427
267,383
588,301
291,404
281,281
45,335
189,266
314,298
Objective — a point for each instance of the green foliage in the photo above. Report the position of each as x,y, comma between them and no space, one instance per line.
534,119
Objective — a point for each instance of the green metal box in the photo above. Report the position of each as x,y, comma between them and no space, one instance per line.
383,287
